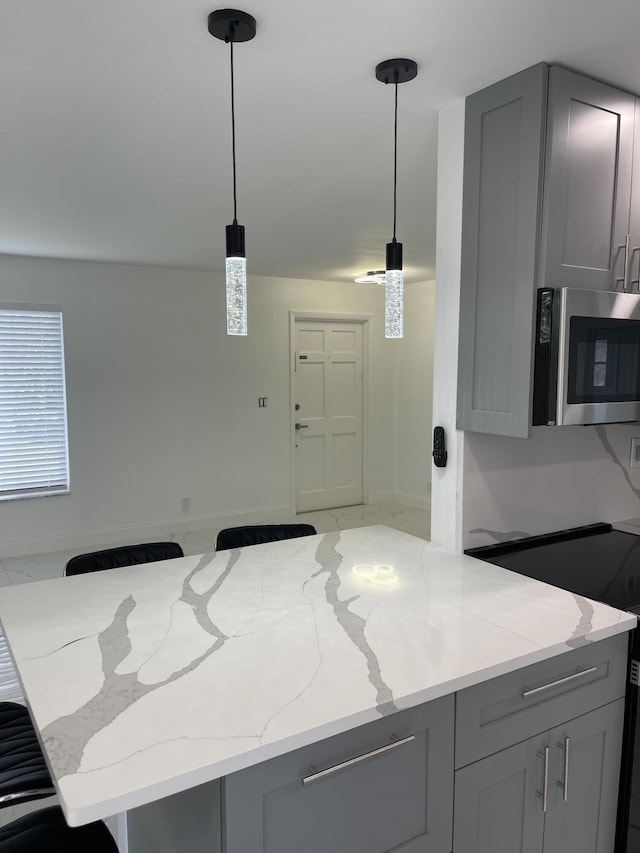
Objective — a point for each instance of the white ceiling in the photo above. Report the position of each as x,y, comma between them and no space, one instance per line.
115,122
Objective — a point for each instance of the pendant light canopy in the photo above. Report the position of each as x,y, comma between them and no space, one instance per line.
231,26
395,71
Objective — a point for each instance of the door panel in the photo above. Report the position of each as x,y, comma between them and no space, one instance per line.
587,183
328,390
496,808
585,821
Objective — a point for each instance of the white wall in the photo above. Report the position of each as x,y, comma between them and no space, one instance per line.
446,483
560,477
413,390
163,405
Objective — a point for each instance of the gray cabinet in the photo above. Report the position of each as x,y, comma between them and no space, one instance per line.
497,808
548,201
382,787
587,184
553,793
503,171
538,755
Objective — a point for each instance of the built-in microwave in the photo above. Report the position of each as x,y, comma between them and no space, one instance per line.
587,357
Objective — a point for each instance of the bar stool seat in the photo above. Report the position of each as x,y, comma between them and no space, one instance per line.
258,534
23,770
46,831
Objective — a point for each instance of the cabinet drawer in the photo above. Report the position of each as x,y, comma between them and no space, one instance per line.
513,707
382,786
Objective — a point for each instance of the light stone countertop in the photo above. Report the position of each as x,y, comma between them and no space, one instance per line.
145,681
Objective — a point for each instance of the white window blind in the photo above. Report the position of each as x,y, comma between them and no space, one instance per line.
33,417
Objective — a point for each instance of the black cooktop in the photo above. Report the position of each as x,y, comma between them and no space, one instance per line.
595,561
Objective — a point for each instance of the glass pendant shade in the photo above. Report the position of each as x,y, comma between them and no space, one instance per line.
236,275
394,292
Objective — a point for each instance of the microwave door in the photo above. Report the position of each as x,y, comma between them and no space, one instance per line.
598,357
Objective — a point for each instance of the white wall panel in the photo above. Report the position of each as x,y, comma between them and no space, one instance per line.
164,405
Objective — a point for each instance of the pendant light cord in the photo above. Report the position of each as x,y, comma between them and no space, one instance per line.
233,131
395,157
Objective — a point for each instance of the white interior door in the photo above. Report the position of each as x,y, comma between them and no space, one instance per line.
328,434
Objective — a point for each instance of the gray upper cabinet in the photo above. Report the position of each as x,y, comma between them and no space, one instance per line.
587,184
548,200
504,136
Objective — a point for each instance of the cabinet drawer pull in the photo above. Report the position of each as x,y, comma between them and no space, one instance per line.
565,783
336,767
545,781
558,682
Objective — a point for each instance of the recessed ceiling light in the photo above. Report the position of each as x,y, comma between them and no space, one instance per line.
372,277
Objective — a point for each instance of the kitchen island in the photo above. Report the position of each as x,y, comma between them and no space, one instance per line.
150,680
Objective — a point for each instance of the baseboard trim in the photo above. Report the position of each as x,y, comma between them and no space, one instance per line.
158,530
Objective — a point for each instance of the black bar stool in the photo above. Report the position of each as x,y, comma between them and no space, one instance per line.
258,534
23,770
46,831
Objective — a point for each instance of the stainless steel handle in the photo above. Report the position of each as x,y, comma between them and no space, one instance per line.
625,280
633,281
302,426
565,783
558,682
545,781
320,774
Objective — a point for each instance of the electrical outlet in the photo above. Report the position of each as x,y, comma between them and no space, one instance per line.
185,504
634,457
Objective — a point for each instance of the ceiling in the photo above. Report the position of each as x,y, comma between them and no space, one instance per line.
115,140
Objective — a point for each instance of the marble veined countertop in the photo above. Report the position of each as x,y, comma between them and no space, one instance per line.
145,681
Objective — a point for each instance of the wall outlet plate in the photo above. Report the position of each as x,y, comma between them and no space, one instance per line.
634,457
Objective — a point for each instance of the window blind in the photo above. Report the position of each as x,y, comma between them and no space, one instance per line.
33,417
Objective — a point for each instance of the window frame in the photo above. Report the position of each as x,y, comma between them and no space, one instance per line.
61,388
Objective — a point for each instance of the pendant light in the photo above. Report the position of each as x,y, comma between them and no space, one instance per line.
394,71
231,26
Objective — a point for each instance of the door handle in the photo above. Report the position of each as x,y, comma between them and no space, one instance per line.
565,782
545,778
302,426
625,279
579,674
320,774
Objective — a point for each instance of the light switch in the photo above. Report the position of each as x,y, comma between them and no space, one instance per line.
634,460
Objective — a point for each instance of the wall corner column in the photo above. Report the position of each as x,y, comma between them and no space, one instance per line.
446,484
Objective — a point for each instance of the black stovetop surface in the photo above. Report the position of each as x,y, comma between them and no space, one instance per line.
595,561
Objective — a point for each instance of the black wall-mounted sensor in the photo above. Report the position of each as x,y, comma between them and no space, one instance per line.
439,448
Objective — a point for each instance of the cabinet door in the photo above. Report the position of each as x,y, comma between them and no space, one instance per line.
634,218
498,807
583,782
587,185
504,133
395,798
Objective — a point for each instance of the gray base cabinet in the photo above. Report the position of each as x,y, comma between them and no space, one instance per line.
538,755
386,786
497,809
553,793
